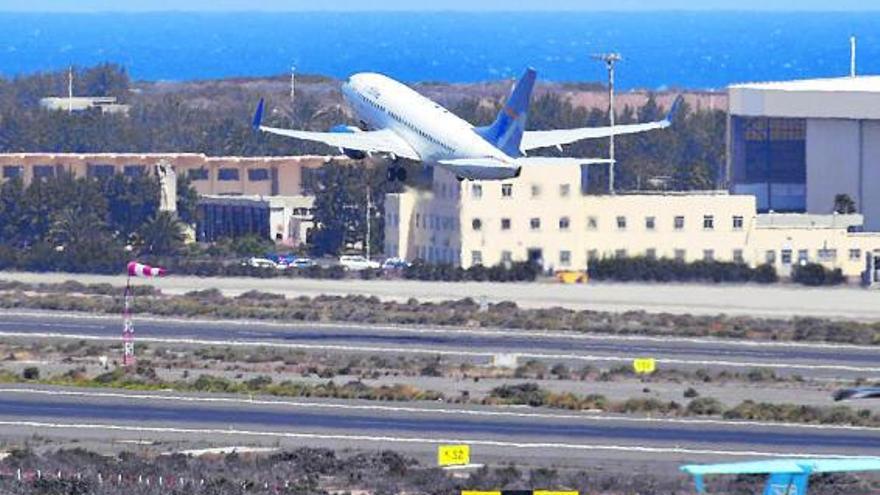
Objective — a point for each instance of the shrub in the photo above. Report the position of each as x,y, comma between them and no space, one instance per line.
814,274
31,373
691,393
666,270
705,406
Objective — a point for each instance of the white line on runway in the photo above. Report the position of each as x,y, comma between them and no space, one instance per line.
490,332
431,410
411,440
444,352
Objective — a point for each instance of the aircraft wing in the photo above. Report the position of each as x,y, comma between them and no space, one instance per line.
787,466
558,137
380,141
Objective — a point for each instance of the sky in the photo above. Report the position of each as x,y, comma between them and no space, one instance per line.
433,5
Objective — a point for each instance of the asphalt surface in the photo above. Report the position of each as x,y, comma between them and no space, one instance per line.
783,301
112,416
809,360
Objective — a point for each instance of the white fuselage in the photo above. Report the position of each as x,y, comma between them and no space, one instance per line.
433,132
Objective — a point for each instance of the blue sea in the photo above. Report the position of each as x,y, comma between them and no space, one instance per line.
660,50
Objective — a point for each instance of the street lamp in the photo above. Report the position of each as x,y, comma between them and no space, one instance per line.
609,59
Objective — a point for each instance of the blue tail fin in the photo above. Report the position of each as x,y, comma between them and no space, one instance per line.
507,130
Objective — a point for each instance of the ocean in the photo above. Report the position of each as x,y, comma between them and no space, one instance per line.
660,50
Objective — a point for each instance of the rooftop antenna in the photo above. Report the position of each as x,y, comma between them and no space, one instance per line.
852,56
609,59
70,89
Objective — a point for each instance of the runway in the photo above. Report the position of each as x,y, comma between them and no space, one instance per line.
813,360
112,416
776,300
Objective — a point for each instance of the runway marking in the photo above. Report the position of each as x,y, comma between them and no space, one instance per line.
430,410
417,440
492,332
447,352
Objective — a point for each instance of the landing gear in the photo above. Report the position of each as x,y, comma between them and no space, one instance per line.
396,173
459,178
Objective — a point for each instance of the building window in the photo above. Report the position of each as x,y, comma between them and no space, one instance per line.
708,255
505,224
476,258
651,253
855,254
42,171
564,190
506,190
770,257
650,223
679,223
535,224
621,223
708,222
737,222
477,224
258,174
803,256
738,255
827,254
198,174
100,170
11,171
564,223
592,223
620,253
565,258
536,190
506,257
592,255
476,191
680,254
227,174
786,256
133,170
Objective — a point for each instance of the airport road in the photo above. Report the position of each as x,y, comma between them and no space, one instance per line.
494,433
479,345
782,301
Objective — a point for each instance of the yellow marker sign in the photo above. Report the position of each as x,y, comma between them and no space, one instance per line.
644,366
454,455
551,492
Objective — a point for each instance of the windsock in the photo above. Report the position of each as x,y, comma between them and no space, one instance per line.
136,269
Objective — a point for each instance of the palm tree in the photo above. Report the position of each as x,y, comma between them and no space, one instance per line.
162,234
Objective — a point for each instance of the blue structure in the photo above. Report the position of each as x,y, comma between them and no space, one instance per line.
786,476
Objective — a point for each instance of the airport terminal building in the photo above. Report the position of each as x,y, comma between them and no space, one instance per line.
795,145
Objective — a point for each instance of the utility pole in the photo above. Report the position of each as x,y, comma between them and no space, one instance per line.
292,83
70,90
369,217
609,59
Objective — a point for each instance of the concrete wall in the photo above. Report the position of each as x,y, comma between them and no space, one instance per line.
832,162
870,202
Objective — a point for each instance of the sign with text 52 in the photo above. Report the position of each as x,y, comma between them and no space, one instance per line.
644,366
453,455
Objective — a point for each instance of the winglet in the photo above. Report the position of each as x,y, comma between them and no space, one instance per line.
673,110
258,116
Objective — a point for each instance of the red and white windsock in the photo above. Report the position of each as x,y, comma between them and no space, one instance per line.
136,269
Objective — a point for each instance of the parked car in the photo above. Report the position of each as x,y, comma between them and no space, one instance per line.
302,263
357,263
255,262
395,264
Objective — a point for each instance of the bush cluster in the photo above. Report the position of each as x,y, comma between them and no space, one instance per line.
814,274
667,270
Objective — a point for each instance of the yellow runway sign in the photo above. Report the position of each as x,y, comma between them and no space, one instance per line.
454,455
644,366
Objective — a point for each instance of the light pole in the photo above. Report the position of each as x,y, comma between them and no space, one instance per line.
610,59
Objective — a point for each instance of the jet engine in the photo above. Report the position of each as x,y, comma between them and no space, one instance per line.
349,129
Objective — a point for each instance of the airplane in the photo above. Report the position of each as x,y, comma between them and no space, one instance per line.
786,476
405,124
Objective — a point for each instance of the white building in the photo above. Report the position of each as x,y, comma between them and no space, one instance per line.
796,145
544,216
